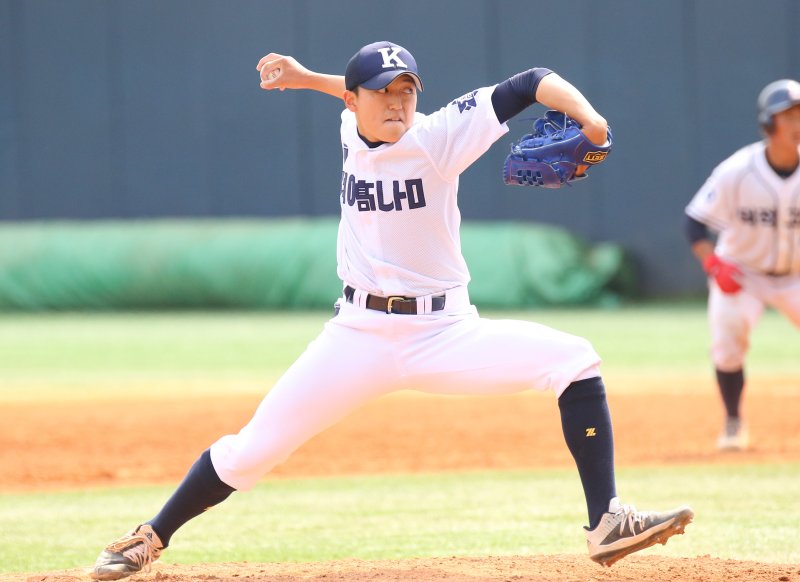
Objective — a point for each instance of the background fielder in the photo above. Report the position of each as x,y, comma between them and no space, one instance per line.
405,320
752,199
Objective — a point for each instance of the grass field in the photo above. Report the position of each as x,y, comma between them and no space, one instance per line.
744,511
401,516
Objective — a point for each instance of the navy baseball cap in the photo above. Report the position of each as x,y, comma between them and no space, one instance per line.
378,64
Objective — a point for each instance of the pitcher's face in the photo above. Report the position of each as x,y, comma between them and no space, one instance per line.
385,114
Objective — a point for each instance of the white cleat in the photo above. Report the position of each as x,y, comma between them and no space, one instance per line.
128,555
623,530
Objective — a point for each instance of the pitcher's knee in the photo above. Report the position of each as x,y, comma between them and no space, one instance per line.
587,348
585,353
579,361
241,464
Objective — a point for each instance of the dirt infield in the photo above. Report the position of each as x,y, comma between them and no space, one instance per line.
83,444
74,445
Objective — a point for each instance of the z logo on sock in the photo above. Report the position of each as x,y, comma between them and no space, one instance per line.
591,431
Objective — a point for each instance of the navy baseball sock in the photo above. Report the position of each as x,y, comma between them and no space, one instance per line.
200,490
586,422
731,385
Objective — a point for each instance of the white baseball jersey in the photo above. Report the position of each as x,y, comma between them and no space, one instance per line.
399,232
756,212
757,215
399,235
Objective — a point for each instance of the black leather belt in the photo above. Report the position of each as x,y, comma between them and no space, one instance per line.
395,304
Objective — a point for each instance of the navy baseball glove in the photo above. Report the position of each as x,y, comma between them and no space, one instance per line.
549,157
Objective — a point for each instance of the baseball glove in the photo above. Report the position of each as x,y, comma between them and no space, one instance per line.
549,157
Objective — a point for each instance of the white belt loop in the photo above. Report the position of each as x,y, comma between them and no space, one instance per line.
425,304
360,298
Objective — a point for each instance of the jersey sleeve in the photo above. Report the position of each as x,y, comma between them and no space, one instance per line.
460,133
711,205
517,93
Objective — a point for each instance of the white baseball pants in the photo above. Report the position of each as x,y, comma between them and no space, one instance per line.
362,354
733,317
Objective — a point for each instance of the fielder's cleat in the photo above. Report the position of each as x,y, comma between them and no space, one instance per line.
135,550
623,530
733,436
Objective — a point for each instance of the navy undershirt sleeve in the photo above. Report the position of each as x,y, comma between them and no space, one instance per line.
695,230
515,94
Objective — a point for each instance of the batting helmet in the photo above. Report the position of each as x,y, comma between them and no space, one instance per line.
776,97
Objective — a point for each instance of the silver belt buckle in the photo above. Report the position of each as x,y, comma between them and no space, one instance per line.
391,300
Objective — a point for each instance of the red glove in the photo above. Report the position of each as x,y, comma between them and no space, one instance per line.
725,274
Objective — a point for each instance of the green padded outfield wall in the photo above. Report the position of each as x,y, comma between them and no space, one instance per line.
274,264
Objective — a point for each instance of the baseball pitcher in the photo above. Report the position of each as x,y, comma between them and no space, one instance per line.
404,319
